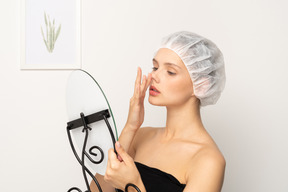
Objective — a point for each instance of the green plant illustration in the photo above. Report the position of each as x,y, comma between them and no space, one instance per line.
51,35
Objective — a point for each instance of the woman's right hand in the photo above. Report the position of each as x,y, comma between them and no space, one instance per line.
136,109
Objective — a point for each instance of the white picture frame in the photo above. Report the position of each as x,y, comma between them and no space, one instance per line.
50,34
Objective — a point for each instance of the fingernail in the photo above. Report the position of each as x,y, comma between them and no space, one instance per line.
119,158
118,144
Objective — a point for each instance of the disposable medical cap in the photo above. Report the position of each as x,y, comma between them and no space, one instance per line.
204,62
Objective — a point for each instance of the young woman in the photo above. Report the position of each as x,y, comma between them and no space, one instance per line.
188,72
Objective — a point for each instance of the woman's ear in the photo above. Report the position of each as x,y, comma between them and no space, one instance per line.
193,95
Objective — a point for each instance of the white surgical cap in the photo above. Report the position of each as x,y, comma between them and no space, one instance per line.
204,62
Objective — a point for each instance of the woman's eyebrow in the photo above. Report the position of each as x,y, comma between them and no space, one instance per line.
166,63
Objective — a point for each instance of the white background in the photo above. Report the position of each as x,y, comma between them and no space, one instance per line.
249,122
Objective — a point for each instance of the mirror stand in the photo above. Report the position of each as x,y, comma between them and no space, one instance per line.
84,121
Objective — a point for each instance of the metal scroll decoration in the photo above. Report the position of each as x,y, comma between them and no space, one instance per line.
83,123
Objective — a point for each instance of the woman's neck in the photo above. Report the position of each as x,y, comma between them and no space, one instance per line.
183,121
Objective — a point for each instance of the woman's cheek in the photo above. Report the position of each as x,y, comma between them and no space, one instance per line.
180,90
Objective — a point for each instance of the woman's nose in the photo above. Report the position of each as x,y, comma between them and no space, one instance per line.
155,76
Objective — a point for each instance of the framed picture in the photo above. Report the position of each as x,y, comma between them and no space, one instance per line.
51,34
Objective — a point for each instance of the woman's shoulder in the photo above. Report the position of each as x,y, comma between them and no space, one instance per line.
209,152
210,163
146,134
149,130
208,160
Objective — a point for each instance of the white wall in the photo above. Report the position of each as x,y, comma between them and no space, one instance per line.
249,122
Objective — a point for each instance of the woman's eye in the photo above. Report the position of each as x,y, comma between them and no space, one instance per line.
154,68
171,73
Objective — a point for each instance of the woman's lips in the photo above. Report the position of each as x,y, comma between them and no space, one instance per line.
153,91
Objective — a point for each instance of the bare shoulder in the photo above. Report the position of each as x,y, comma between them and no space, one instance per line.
207,169
210,155
144,134
147,130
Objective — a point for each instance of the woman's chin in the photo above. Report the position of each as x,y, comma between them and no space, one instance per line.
152,101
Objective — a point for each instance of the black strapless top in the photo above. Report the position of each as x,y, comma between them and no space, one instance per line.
156,180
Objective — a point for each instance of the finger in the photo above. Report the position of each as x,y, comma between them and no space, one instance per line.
143,85
137,92
109,159
111,156
138,79
148,81
119,158
122,153
113,161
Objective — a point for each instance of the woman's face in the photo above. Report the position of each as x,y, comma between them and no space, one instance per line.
171,84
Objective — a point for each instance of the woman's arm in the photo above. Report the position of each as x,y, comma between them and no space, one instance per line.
136,110
207,173
134,121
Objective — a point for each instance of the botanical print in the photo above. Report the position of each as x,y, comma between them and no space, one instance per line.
51,35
